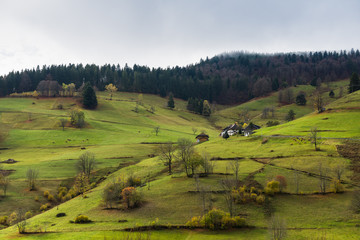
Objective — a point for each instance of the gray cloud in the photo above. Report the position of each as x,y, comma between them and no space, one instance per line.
167,33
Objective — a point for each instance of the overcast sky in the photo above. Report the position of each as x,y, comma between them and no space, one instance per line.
161,33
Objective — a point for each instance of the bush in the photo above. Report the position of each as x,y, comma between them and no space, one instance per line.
4,220
215,220
46,194
133,181
272,187
28,214
13,218
51,198
272,123
195,222
61,214
82,219
43,207
260,199
337,187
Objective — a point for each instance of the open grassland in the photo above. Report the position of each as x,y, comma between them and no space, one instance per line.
124,142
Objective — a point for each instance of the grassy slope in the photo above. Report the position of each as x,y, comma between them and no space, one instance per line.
168,198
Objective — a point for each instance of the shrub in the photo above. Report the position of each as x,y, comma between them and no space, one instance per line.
260,199
133,181
4,220
272,123
13,218
46,194
82,219
213,219
28,214
216,219
337,187
36,198
51,198
194,222
43,207
61,214
272,187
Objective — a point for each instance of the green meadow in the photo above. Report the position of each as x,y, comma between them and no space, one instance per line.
121,134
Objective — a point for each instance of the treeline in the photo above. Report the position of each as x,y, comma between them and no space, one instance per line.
227,78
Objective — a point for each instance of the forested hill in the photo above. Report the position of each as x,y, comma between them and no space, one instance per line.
226,78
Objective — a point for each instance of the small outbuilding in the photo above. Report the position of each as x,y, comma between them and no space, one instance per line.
202,138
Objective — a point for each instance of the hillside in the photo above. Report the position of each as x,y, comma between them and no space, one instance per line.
225,79
116,134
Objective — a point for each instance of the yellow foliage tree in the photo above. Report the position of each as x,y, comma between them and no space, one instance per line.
111,88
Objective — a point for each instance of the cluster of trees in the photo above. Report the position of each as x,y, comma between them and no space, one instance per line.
185,154
199,106
226,78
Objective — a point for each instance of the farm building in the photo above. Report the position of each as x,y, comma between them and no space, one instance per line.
202,138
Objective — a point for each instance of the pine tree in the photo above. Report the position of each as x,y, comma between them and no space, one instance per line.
171,103
354,83
89,97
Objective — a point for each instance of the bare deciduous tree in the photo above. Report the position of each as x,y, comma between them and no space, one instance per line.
185,152
339,171
235,166
63,122
322,178
277,228
31,177
228,185
156,130
314,137
86,163
166,154
207,164
4,183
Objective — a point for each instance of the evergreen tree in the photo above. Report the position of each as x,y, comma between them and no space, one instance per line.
331,94
171,103
290,116
89,97
206,108
354,83
300,99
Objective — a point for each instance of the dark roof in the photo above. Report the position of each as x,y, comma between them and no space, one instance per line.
231,127
202,135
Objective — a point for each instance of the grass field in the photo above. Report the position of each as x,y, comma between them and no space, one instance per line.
124,142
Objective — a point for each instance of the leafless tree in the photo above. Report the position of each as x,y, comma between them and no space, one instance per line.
63,122
194,130
86,163
207,164
339,171
156,130
228,185
21,221
277,228
314,137
185,152
296,181
31,176
235,166
4,183
322,178
318,102
166,154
